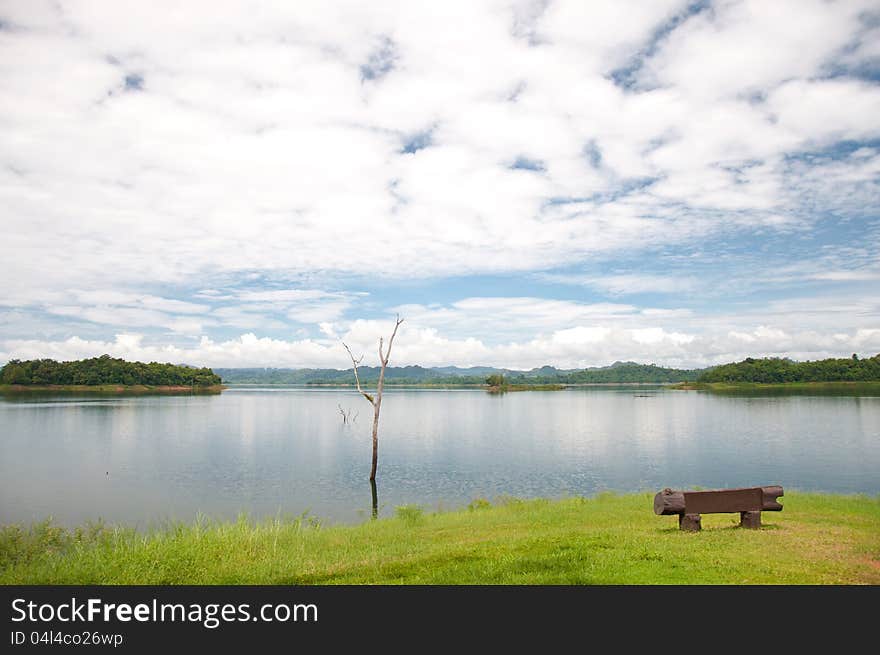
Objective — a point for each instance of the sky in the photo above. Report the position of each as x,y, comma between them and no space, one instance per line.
525,183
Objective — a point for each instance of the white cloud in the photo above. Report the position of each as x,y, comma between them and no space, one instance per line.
820,112
496,320
114,298
848,275
259,147
131,317
567,348
301,305
738,47
625,284
146,150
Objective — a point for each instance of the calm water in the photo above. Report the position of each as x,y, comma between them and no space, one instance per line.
141,460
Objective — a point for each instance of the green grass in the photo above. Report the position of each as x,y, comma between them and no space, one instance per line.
608,539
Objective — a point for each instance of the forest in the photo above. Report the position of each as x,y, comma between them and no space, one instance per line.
774,370
104,370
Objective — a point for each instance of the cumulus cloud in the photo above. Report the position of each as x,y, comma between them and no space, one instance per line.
219,168
568,348
259,145
564,333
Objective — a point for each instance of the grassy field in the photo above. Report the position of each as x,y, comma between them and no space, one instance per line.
608,539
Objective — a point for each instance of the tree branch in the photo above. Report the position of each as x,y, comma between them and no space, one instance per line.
390,341
354,365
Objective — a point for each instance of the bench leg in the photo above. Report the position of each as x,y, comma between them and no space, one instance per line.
750,520
689,522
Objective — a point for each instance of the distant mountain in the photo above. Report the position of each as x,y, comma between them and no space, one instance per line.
471,370
617,372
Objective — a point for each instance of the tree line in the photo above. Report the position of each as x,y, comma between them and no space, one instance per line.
775,370
109,370
104,370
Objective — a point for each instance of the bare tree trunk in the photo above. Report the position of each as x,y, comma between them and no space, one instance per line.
375,436
380,385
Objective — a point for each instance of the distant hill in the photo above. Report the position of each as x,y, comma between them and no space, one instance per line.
633,372
617,372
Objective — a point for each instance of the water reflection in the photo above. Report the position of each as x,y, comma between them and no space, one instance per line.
140,460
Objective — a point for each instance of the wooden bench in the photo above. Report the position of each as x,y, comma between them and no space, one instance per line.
689,505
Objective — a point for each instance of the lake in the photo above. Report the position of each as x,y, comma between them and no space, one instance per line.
143,460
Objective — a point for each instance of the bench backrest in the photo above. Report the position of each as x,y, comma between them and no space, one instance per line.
724,501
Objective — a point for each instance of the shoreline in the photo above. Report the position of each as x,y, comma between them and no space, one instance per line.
871,386
111,388
505,388
388,385
838,385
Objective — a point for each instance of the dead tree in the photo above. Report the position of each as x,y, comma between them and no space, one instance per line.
376,400
345,414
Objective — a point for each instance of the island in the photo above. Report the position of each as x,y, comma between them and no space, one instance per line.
782,374
106,374
497,383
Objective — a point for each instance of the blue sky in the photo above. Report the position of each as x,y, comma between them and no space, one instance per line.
525,182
